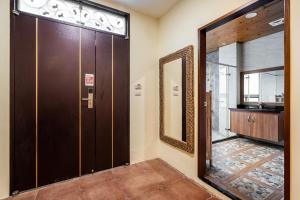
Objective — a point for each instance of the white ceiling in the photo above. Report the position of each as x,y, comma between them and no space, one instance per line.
154,8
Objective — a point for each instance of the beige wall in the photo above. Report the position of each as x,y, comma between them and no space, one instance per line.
178,28
4,98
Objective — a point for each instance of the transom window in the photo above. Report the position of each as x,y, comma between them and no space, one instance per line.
76,13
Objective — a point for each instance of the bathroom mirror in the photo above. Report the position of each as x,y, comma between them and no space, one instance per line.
177,99
266,86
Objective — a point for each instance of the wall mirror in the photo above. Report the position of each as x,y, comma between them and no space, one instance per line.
266,86
177,99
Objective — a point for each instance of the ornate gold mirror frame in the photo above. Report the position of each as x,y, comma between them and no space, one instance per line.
187,56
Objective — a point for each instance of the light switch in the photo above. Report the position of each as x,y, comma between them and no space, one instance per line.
138,89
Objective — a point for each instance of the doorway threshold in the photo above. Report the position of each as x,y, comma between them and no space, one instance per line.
220,189
225,139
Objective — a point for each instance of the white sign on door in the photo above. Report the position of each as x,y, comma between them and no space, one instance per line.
89,79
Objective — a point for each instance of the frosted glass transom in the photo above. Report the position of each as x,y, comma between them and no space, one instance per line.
74,12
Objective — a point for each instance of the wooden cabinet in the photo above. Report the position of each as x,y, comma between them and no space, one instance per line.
260,125
239,123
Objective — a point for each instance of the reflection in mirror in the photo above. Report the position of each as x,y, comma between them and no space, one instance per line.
272,87
251,87
173,100
176,89
265,86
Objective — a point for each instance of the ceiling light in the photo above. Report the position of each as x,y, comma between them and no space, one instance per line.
251,15
277,22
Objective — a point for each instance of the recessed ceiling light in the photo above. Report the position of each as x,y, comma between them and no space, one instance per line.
251,15
277,22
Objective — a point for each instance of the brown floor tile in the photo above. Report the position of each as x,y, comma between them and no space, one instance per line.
25,196
97,179
69,190
167,172
185,189
108,191
138,182
181,189
153,179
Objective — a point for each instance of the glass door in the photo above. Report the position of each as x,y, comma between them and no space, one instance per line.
222,82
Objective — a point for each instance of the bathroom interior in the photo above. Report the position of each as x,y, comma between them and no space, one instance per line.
245,104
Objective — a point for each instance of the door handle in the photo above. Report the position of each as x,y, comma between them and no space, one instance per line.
249,119
90,99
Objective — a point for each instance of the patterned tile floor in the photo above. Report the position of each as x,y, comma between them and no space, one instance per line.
248,169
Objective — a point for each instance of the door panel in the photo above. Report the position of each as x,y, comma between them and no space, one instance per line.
58,102
23,165
87,114
265,126
239,122
121,101
103,101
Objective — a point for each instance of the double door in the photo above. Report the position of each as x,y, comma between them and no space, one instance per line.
69,103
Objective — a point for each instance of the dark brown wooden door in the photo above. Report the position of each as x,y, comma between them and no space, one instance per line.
121,74
58,102
104,102
88,115
56,134
23,115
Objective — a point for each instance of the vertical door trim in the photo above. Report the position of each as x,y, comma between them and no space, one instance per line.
36,97
112,101
80,133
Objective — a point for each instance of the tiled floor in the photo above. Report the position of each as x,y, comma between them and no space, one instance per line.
247,169
216,135
150,180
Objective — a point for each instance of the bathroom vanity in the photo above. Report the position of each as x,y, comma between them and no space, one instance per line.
264,124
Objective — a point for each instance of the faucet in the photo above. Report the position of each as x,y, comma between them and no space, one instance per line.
260,105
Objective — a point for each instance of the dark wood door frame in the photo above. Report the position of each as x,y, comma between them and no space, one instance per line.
202,86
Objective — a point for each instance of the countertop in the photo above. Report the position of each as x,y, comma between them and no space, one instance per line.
264,110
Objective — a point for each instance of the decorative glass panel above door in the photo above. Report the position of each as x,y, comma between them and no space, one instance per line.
106,21
76,13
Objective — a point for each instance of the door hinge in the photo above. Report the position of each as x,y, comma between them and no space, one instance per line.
15,12
15,192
